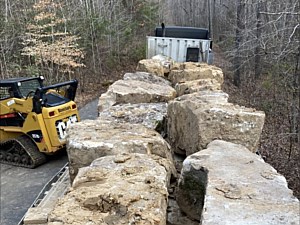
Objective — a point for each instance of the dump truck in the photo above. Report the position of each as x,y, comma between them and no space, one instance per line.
34,119
182,44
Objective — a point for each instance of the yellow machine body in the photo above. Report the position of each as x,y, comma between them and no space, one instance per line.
39,119
48,129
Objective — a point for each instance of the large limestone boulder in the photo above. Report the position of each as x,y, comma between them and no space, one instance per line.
121,189
194,122
217,97
147,77
195,73
189,65
189,87
158,65
153,66
227,184
135,91
151,115
92,139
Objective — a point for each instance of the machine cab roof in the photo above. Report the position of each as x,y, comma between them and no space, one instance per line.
19,87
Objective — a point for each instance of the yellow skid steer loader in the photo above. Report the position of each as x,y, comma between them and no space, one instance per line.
34,119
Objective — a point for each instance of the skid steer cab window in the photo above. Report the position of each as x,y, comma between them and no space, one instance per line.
28,87
5,92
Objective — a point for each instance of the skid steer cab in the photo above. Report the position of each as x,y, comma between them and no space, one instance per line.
34,119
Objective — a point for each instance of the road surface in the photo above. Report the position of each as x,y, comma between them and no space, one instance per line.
19,186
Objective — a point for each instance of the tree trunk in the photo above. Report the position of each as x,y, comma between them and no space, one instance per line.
238,41
257,65
210,25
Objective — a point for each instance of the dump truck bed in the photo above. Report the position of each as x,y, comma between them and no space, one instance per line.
179,49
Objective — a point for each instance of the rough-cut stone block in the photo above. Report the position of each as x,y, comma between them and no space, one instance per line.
158,65
165,61
189,65
153,66
135,91
193,65
193,123
36,216
151,115
121,189
217,97
189,87
92,139
146,77
230,185
202,72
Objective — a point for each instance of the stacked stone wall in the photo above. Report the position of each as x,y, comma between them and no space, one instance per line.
169,149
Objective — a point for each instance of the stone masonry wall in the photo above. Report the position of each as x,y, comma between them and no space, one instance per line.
169,149
240,189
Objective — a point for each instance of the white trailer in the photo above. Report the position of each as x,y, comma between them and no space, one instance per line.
182,44
179,49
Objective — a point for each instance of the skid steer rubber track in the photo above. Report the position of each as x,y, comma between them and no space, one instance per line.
21,151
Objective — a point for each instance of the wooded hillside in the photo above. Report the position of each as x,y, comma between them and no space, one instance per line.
256,43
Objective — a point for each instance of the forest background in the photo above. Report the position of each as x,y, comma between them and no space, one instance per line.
256,43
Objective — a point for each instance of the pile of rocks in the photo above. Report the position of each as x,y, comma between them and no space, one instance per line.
168,148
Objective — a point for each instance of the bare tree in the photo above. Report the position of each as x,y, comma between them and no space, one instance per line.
240,13
257,64
50,47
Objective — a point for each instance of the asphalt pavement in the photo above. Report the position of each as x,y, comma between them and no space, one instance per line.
19,186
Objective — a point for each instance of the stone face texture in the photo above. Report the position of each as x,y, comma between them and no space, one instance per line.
240,189
121,189
194,123
151,115
146,77
196,73
153,66
176,216
135,91
189,87
36,216
189,65
158,65
92,139
217,97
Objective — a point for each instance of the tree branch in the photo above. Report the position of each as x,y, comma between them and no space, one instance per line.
280,13
294,30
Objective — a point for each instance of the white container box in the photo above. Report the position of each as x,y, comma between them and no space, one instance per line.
179,49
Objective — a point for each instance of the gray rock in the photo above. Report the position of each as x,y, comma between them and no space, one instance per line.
158,64
190,65
239,188
152,66
146,77
195,120
189,87
92,139
120,189
202,71
135,91
176,216
165,61
216,97
151,115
